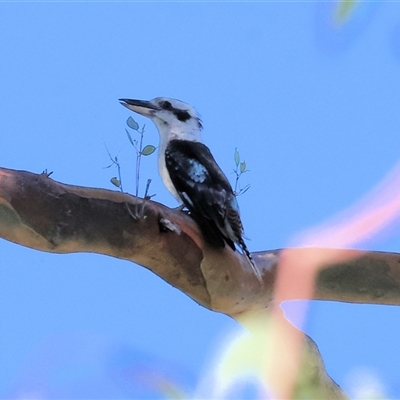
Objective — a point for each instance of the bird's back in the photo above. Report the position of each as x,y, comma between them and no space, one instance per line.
205,191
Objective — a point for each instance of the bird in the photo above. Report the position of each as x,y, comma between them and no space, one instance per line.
191,174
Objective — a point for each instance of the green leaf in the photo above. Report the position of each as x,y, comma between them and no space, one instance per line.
242,167
237,157
345,9
115,181
132,124
149,149
129,137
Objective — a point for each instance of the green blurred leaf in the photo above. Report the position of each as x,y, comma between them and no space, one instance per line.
236,157
345,9
243,166
149,149
115,181
132,124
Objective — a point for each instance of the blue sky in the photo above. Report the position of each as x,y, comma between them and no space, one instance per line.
311,106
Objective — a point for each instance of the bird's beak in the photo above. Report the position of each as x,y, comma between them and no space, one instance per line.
142,107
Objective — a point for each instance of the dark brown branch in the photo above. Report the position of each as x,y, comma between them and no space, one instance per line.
367,277
40,213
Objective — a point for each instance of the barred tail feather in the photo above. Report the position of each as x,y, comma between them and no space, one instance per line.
247,253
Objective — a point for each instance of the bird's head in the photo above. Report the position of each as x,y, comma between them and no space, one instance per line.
174,118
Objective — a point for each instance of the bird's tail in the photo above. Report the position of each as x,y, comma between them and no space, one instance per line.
247,253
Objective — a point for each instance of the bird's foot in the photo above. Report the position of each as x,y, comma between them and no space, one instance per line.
168,226
181,207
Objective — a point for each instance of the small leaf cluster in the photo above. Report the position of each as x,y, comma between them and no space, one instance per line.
137,144
114,161
240,169
140,151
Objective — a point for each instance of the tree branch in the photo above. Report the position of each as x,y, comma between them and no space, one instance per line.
38,212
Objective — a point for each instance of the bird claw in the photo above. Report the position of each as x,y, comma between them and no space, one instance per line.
181,207
167,225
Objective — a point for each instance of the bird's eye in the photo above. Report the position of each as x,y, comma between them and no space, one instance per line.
182,115
166,105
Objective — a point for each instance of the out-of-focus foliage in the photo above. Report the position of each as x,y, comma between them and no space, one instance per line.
345,10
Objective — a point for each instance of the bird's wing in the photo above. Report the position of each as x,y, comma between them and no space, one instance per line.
203,187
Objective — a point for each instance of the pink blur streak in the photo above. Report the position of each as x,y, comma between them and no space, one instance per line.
296,276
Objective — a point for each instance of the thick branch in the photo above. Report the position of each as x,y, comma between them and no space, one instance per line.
362,277
40,213
37,212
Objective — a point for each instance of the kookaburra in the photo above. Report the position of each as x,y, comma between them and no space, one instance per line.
191,174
